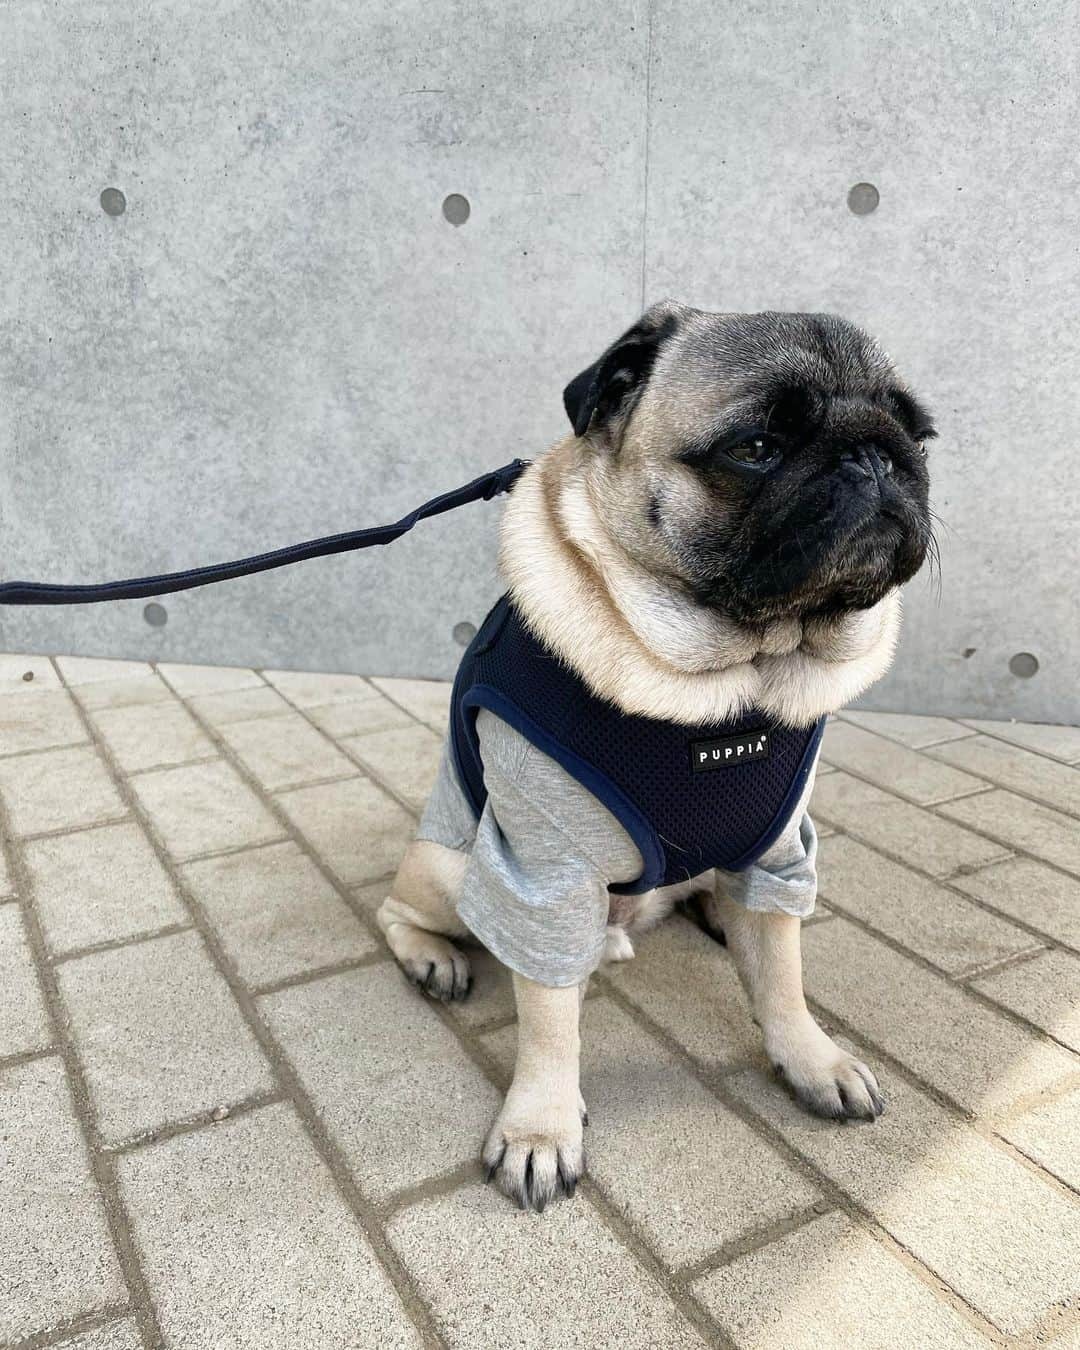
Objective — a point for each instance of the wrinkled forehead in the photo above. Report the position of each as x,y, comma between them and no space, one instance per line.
719,370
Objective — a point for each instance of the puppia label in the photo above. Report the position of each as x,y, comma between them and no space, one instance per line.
706,755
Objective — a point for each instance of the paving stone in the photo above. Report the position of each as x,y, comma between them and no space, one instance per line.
977,1057
492,996
1058,742
99,886
370,894
930,920
153,735
894,767
356,829
388,1077
686,982
159,1035
360,717
491,999
427,700
113,1336
56,1259
275,913
246,1242
13,667
1022,824
1045,990
499,1279
204,808
1031,892
286,752
7,886
38,723
909,729
1050,1135
137,691
405,760
912,834
310,690
830,1284
239,705
24,1024
78,670
1001,1237
684,1202
193,681
58,790
1009,766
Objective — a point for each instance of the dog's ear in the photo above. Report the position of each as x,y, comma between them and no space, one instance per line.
614,383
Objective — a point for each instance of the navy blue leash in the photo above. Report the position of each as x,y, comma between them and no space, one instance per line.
485,487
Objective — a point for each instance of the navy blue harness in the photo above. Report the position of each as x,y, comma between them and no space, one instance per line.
690,797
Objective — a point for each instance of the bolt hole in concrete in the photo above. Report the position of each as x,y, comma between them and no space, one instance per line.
464,633
113,202
156,615
456,209
1023,665
863,198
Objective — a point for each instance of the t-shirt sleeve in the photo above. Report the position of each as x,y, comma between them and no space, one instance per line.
784,878
535,889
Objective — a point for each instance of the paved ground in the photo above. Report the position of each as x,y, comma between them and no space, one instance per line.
226,1120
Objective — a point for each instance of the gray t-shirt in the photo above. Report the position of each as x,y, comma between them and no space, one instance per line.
545,851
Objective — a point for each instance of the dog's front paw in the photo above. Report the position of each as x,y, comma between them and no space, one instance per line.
824,1077
535,1148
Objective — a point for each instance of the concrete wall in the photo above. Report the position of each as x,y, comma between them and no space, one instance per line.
281,335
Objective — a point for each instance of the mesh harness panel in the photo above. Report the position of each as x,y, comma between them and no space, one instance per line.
688,795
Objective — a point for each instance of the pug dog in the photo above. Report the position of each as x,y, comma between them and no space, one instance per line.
700,572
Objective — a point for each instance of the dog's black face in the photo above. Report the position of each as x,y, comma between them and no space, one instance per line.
772,463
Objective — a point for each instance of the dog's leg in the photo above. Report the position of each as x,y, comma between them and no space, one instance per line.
824,1078
535,1147
422,904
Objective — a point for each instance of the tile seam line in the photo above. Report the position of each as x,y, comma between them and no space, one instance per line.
11,755
754,1240
117,944
845,715
957,982
999,785
948,881
363,771
362,1209
830,1189
292,834
37,835
1027,749
61,1333
102,1173
892,791
624,1233
984,1125
1018,849
991,968
243,1106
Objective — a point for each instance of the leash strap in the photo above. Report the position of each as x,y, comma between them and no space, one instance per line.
485,487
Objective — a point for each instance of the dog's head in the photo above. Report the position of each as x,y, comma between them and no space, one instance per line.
771,464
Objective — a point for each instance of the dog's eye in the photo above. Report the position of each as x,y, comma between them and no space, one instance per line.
754,450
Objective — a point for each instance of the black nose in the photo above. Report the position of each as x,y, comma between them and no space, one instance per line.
866,462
